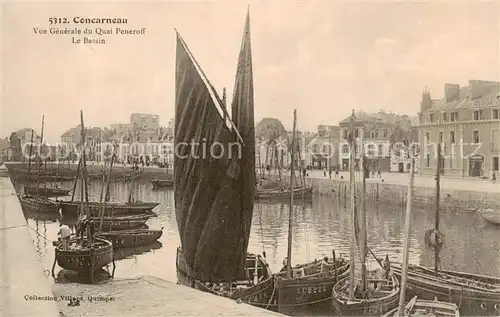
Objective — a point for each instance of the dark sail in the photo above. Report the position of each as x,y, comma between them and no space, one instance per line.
242,109
214,226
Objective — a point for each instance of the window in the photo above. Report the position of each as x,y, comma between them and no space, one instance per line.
478,114
427,137
495,113
440,137
441,164
452,137
445,117
345,149
475,138
315,148
454,116
371,150
372,134
380,149
431,118
356,133
495,163
427,160
451,162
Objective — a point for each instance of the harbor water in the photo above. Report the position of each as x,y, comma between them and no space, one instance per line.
319,227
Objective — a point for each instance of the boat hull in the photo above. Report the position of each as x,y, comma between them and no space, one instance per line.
472,302
278,194
72,208
491,216
309,294
162,183
47,192
430,306
370,307
121,223
132,238
36,204
259,295
86,261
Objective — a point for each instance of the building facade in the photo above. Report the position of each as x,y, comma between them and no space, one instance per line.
466,122
323,149
144,122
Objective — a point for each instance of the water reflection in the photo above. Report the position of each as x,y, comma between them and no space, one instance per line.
318,228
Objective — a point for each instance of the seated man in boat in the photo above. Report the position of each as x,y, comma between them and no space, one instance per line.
65,233
387,266
285,263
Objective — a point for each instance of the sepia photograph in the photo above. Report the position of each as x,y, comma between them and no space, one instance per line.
250,158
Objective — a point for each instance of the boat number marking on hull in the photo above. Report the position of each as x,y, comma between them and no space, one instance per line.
311,289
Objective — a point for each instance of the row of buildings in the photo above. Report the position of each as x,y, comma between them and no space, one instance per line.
465,122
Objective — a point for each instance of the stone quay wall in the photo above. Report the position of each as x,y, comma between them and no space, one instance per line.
466,200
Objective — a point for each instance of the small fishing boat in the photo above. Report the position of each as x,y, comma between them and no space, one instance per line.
110,208
383,297
46,191
132,238
254,285
270,194
38,204
84,258
474,293
162,183
309,287
423,308
490,215
85,253
123,222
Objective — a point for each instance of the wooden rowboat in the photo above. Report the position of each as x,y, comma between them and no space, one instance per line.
38,204
162,183
132,238
474,294
82,258
121,222
46,191
281,194
418,307
490,215
110,208
384,297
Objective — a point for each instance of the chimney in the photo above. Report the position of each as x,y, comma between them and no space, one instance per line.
479,88
224,97
426,102
451,92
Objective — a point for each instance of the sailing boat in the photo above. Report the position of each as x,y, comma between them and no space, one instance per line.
37,203
375,295
90,254
474,294
279,192
214,192
416,307
136,213
305,286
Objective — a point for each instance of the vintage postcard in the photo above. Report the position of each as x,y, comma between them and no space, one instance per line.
231,158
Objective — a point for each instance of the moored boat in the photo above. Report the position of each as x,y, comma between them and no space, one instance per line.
132,238
110,208
271,194
162,183
383,297
473,293
46,191
122,222
490,215
38,204
82,258
418,307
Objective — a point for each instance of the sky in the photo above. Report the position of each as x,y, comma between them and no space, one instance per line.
322,58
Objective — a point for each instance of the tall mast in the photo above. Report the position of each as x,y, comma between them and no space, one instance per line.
84,190
362,216
29,158
406,245
38,170
438,189
353,206
290,212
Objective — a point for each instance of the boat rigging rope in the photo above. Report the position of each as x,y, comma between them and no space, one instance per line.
261,232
